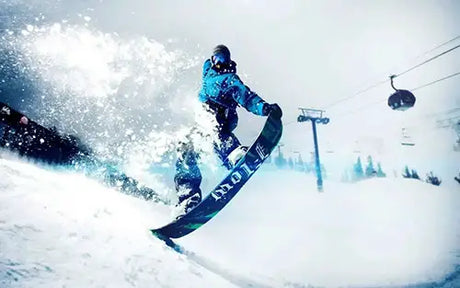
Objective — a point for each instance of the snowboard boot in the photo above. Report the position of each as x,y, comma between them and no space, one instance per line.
235,156
186,205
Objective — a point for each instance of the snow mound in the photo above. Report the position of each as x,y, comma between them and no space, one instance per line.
59,229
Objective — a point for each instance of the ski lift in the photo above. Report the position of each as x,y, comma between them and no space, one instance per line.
406,139
400,100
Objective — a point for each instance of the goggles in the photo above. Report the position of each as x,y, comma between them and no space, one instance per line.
218,59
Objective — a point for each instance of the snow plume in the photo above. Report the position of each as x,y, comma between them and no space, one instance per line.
124,97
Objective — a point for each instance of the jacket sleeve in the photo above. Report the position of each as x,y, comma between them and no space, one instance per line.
245,97
202,95
206,66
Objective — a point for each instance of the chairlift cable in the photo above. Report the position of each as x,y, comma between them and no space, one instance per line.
383,100
436,81
427,61
402,73
440,45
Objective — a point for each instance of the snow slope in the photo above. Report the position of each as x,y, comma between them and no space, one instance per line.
128,89
61,229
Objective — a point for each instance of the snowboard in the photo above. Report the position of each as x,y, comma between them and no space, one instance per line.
227,188
32,140
35,141
15,119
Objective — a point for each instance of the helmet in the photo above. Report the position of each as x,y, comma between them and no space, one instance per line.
220,55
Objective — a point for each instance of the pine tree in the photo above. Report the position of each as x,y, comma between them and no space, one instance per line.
290,163
414,174
380,172
370,171
457,178
280,161
432,179
407,173
323,171
358,172
300,165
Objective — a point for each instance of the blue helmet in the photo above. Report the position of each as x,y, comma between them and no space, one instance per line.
220,55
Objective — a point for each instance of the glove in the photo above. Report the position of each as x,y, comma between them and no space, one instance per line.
272,109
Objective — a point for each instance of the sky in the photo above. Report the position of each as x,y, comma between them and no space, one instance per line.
292,51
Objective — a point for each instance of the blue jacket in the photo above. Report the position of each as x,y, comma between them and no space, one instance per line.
223,91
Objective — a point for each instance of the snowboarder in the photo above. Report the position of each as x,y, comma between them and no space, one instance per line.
221,93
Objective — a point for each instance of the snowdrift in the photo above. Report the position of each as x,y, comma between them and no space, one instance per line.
60,228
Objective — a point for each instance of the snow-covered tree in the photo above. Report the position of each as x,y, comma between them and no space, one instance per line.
457,178
323,171
370,171
358,172
380,172
280,161
300,165
432,179
407,173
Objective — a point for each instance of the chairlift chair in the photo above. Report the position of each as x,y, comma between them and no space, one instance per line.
400,100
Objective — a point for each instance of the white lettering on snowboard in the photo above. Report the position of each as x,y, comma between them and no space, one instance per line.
235,178
261,151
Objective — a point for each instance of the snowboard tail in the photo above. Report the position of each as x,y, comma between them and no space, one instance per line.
31,139
229,187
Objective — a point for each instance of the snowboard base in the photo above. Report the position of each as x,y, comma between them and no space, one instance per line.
221,195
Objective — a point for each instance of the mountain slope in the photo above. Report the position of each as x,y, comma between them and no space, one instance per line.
59,229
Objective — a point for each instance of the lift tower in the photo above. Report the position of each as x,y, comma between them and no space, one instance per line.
316,117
